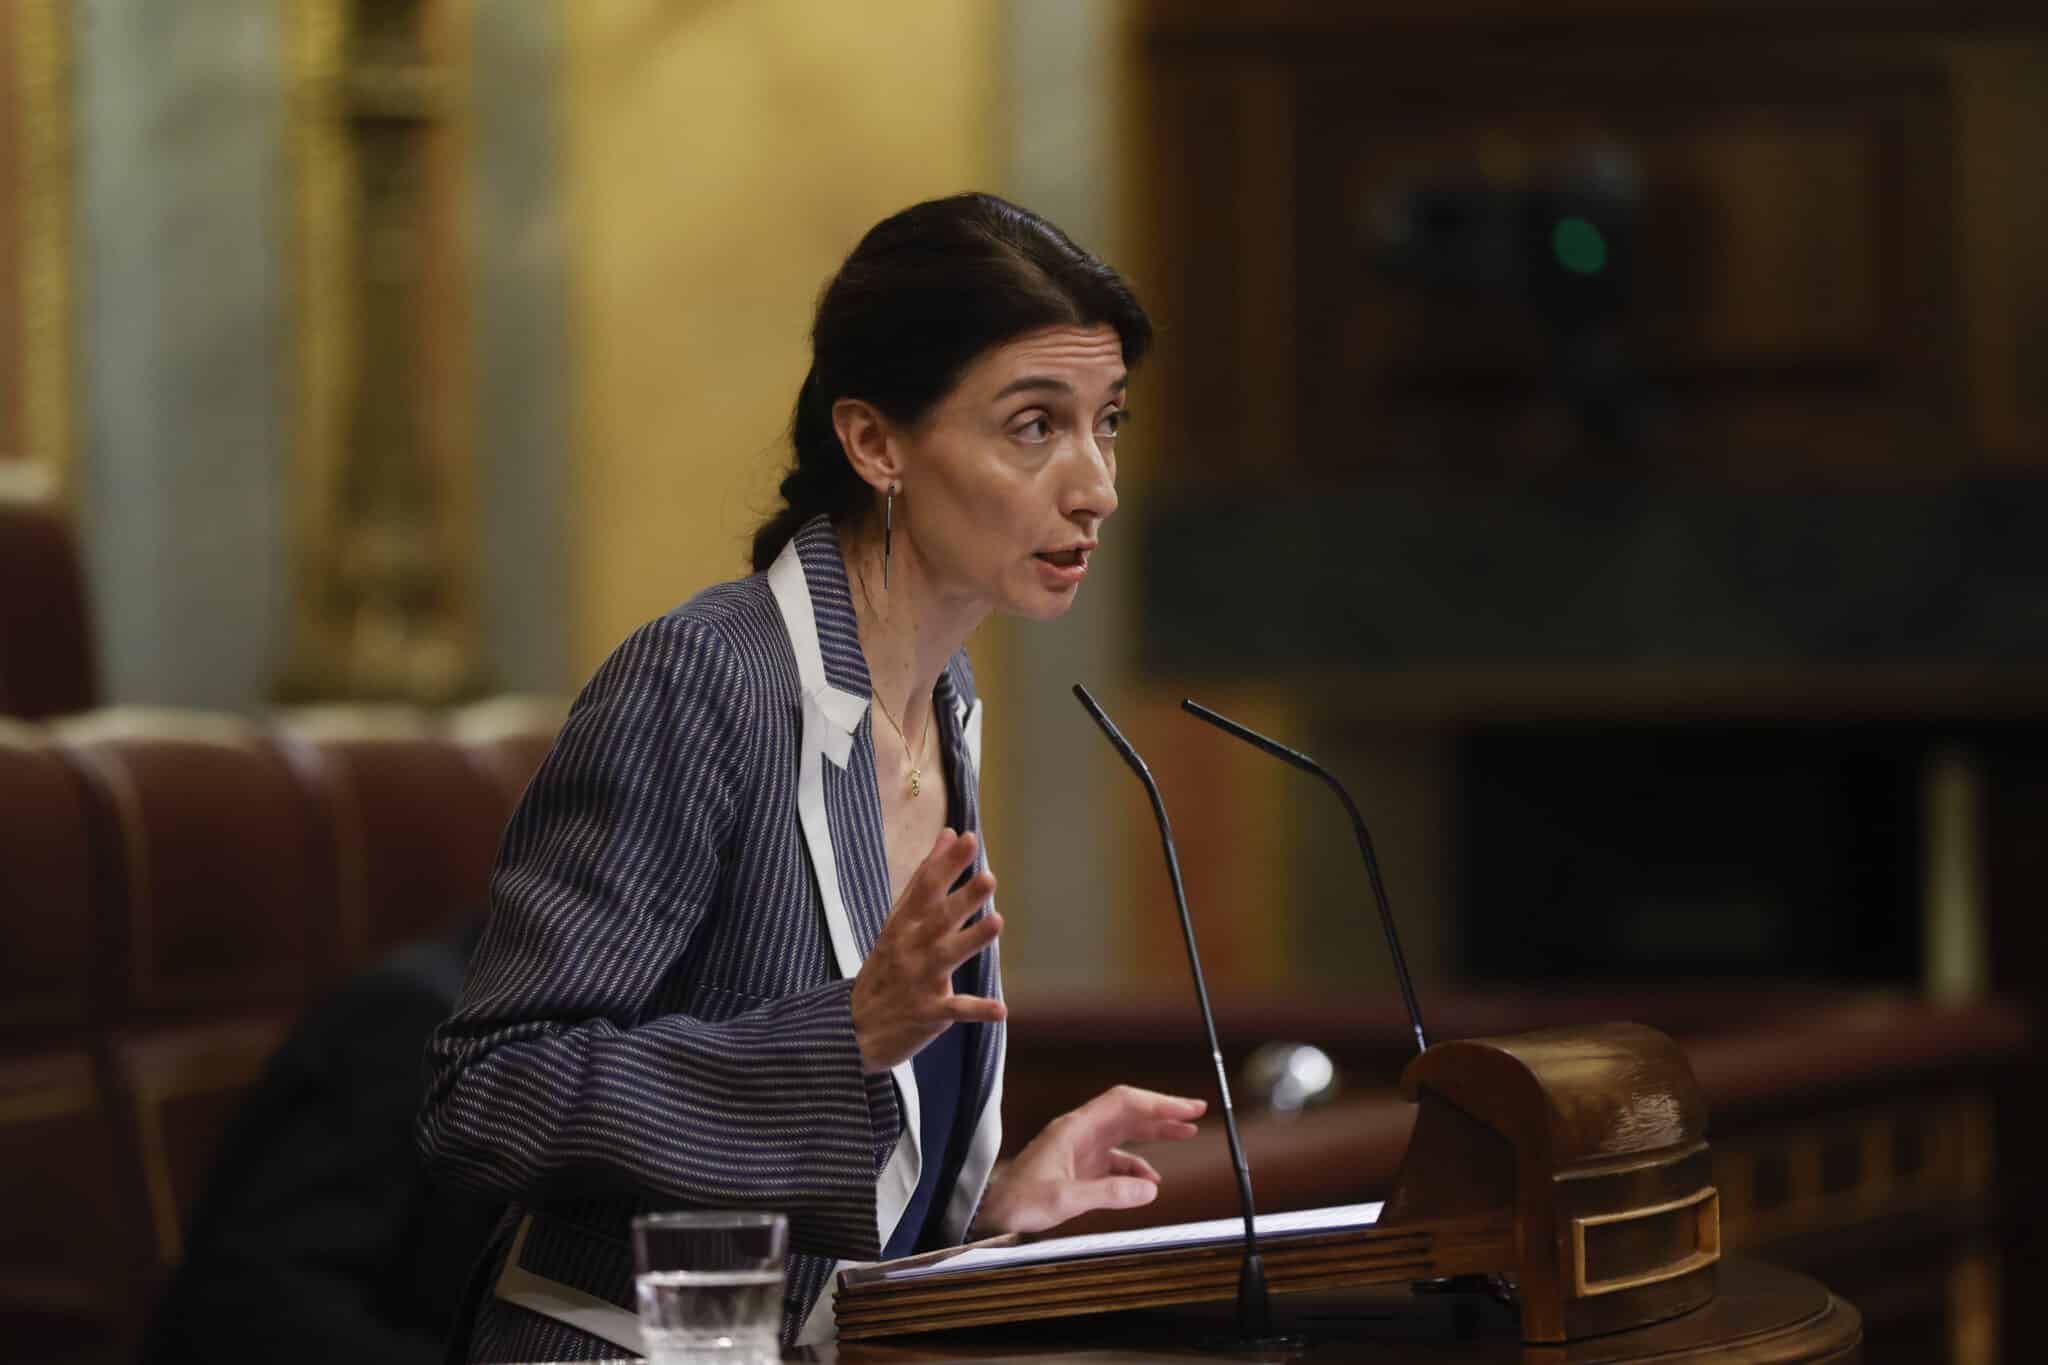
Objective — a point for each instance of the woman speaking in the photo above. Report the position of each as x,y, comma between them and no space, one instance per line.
742,943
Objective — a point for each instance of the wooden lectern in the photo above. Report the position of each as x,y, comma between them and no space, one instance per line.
1571,1163
1593,1141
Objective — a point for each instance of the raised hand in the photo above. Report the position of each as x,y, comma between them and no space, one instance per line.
1078,1163
903,997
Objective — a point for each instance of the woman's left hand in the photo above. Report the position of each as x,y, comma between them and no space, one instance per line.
1078,1163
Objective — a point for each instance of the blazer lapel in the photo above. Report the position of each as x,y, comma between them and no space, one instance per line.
960,725
837,803
842,815
840,810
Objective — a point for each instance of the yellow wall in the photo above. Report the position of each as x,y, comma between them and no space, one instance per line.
722,160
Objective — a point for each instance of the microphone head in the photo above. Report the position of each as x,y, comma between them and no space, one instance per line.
1116,737
1358,829
1253,738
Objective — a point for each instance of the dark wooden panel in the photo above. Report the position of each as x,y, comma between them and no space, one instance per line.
1303,25
1827,276
1197,396
1759,1049
179,1088
1788,306
1397,579
65,1241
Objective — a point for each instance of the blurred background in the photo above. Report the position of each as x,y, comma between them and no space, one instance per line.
1610,434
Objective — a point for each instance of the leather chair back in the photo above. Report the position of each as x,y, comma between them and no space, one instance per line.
508,737
47,663
214,876
67,1241
415,823
46,924
177,1088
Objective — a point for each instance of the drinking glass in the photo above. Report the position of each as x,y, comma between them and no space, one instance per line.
710,1286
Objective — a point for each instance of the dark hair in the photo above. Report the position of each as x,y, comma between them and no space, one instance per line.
926,292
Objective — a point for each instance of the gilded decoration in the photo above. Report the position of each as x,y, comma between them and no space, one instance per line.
41,78
385,502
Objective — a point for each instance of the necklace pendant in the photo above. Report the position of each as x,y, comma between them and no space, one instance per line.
916,781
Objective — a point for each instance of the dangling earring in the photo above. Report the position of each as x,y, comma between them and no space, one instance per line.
888,532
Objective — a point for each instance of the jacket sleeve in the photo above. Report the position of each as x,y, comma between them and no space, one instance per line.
548,1082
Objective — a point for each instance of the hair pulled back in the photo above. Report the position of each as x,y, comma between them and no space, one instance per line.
926,292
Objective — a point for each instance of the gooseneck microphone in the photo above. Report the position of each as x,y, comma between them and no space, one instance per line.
1495,1286
1254,1305
1372,862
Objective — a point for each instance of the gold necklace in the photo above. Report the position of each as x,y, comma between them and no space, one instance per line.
917,761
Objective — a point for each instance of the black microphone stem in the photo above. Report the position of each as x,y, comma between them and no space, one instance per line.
1372,862
1254,1306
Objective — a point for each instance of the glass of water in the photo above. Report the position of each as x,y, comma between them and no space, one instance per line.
710,1286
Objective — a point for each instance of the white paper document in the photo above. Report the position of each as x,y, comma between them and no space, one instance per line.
1339,1218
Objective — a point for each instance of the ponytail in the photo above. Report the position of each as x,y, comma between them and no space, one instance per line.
820,479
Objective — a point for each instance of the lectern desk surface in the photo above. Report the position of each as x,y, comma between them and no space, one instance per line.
1760,1314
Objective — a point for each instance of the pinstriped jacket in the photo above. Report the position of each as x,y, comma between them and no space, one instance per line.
658,1014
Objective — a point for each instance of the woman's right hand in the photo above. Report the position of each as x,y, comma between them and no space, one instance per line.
903,996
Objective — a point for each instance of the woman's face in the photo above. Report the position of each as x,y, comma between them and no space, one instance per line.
1007,481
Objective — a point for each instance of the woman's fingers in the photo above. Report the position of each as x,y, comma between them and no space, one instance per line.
965,943
1110,1192
903,995
1153,1104
971,896
930,909
975,1009
962,905
951,855
1160,1130
1130,1163
1125,1113
1128,1108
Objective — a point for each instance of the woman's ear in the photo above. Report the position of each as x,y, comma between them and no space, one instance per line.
866,437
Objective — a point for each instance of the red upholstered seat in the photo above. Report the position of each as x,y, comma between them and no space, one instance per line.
509,736
415,823
46,925
46,647
213,870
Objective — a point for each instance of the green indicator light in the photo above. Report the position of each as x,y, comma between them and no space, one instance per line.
1578,246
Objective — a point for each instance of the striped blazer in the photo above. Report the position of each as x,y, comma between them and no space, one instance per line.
659,1014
